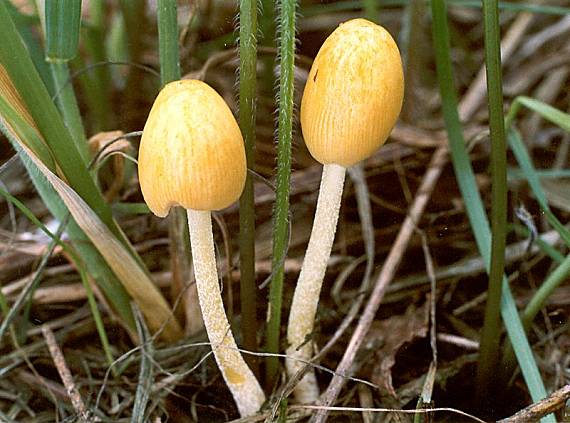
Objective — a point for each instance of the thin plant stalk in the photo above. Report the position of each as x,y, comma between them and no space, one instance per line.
490,335
177,223
371,10
168,41
281,210
474,207
246,119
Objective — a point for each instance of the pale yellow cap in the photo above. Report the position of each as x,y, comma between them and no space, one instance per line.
191,152
353,94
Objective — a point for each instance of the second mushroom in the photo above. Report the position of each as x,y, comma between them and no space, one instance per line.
351,102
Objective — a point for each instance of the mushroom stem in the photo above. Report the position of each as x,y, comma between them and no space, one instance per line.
245,388
307,291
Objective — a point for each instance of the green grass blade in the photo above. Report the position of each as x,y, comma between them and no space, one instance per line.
546,111
63,20
370,10
517,174
168,41
286,37
98,319
247,118
553,281
10,117
490,334
476,213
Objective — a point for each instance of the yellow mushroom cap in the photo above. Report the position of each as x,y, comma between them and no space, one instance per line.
191,152
353,94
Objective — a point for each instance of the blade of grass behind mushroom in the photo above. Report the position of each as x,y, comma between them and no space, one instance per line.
469,190
177,222
247,118
62,19
370,9
285,97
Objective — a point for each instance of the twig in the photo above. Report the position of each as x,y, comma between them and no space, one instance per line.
65,374
458,341
534,412
391,264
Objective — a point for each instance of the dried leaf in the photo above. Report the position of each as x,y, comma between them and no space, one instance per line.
394,333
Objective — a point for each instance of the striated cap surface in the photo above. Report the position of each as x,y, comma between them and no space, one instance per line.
353,94
191,152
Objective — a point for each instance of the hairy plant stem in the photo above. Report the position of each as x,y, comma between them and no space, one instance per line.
247,111
281,210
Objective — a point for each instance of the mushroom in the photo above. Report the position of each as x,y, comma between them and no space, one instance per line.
350,104
192,155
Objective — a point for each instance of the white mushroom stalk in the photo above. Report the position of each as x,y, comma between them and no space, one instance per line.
192,155
351,102
238,376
